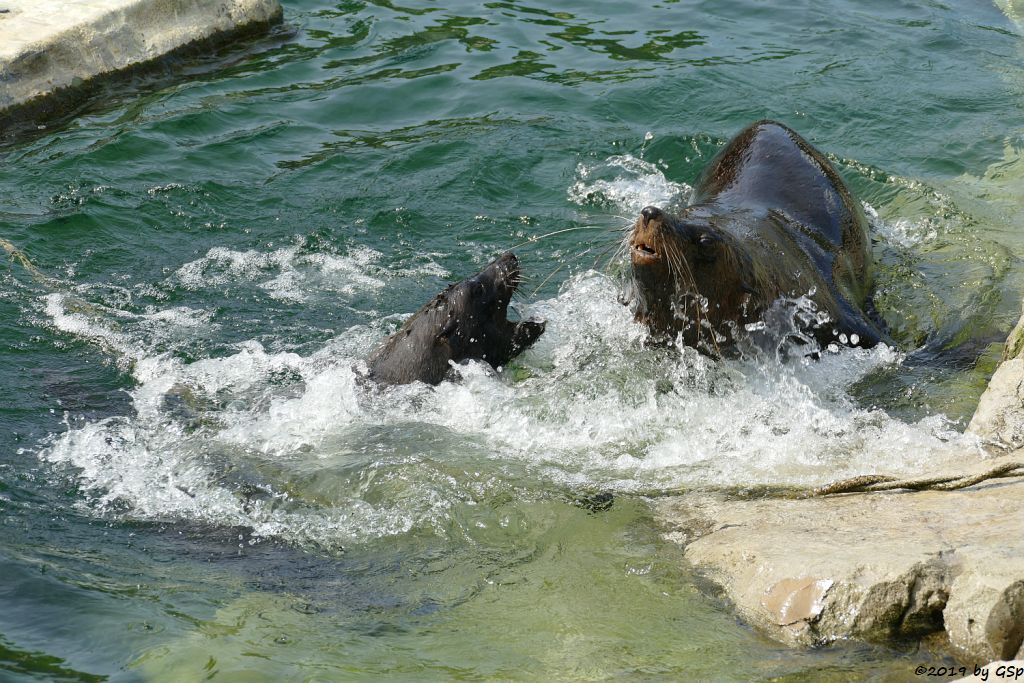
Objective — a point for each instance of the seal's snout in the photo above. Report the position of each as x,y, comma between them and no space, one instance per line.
644,240
508,260
651,213
508,270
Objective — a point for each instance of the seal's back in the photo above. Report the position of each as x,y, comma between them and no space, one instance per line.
769,168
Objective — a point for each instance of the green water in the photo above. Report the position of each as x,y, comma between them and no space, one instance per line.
193,486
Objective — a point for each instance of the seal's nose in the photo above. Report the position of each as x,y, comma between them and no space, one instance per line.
651,213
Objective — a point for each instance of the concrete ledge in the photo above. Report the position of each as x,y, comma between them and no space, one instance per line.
51,49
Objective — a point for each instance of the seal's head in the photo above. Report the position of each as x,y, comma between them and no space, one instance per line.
468,320
689,277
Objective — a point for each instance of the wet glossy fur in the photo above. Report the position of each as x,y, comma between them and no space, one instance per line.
770,218
467,321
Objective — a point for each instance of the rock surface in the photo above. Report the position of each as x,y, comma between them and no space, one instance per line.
878,567
48,46
999,418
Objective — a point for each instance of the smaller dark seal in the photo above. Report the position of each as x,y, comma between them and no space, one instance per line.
770,220
467,321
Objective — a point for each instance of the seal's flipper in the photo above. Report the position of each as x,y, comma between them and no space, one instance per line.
527,332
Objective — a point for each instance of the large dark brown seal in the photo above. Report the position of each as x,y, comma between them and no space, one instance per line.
465,321
770,219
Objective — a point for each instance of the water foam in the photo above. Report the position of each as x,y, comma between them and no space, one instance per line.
298,447
627,183
293,274
117,330
902,232
333,461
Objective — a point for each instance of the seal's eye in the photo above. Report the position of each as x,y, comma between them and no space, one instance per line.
706,246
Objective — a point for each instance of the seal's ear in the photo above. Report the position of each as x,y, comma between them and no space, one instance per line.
446,331
526,333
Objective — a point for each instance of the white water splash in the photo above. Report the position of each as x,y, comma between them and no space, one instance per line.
298,447
627,183
110,328
292,275
332,461
902,232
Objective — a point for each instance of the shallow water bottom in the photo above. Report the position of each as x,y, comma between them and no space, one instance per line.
550,590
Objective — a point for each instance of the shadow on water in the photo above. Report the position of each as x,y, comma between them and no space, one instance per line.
133,90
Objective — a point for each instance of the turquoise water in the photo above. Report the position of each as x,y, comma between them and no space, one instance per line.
193,486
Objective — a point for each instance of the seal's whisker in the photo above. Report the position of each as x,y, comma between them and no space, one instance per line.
617,249
589,249
538,238
627,220
545,281
686,288
621,249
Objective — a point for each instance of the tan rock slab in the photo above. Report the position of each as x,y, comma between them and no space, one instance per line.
877,567
999,418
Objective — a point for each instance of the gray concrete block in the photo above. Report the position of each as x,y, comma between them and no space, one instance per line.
51,47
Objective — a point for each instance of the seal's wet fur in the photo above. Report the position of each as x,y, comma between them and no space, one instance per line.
770,218
467,321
